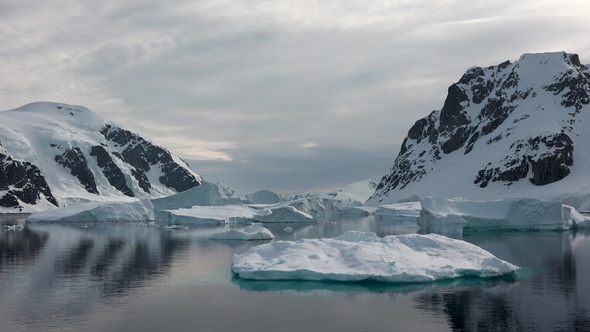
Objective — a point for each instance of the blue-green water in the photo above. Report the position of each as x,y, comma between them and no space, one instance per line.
125,277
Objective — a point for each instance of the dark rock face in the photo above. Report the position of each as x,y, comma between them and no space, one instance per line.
111,170
479,109
143,155
553,165
574,86
74,160
23,181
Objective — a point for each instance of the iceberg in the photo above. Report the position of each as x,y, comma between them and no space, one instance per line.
442,214
283,214
317,207
250,233
393,212
141,210
362,256
578,219
206,194
352,195
210,215
358,211
264,197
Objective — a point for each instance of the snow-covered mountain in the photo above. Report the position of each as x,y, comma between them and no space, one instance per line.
57,154
517,129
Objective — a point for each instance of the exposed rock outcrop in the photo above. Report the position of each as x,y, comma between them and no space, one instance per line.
499,125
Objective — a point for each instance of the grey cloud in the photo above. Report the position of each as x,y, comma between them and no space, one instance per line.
264,77
296,171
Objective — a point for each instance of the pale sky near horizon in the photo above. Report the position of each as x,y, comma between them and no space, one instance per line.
260,94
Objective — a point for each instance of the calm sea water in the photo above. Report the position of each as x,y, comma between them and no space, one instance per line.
125,277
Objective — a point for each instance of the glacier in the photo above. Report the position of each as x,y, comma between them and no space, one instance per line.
362,256
140,210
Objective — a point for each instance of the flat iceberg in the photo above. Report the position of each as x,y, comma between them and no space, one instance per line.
250,233
97,212
210,215
283,214
317,208
362,256
394,212
443,215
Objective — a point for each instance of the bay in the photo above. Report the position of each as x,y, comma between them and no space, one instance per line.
129,277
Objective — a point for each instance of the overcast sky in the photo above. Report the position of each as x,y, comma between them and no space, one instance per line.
271,94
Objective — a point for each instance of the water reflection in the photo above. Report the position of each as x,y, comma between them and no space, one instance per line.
58,271
20,247
53,276
547,297
115,258
297,286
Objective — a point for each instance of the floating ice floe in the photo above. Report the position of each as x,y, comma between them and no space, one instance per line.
250,233
359,256
97,212
453,215
13,227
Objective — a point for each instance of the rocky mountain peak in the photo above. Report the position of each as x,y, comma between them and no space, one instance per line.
58,154
499,124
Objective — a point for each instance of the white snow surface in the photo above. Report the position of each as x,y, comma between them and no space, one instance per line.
359,256
250,233
398,211
211,215
141,210
206,194
539,114
233,214
354,194
39,131
283,214
453,215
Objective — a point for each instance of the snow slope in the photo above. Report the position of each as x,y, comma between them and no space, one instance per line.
513,130
83,157
354,194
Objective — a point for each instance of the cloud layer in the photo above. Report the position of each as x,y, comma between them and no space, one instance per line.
310,94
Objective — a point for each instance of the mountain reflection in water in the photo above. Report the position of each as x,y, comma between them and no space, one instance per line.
125,276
